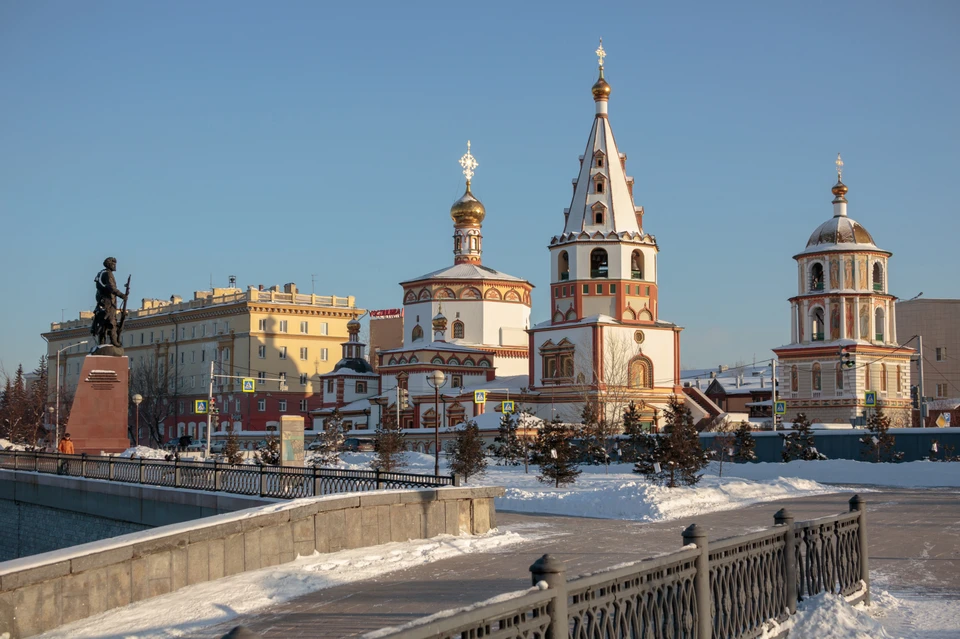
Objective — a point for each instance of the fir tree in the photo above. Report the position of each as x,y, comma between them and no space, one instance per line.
231,449
878,444
389,444
646,447
595,430
507,447
678,451
744,444
466,452
636,437
331,440
556,455
799,443
269,453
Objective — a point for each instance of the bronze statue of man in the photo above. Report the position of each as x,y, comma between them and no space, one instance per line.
105,316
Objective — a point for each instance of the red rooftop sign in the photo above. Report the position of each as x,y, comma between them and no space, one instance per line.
387,313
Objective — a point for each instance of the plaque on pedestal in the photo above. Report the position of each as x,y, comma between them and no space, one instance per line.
98,418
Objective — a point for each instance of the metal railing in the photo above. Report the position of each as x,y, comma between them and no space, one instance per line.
240,479
730,589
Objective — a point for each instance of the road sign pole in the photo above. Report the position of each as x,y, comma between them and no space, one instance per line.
923,404
773,403
209,412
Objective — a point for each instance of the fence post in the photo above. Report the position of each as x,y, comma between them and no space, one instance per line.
456,479
176,473
377,471
83,464
36,462
316,483
859,504
262,476
216,476
554,573
143,479
784,517
697,535
110,470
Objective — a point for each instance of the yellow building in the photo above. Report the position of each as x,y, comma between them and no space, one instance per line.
282,339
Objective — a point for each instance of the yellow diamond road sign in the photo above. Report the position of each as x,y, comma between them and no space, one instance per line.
480,397
249,384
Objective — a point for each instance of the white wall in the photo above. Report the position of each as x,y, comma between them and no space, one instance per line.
485,322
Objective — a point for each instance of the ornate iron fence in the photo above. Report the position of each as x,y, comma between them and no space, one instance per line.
263,481
730,589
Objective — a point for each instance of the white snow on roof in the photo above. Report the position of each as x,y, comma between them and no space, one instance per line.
353,407
466,272
599,319
750,377
436,346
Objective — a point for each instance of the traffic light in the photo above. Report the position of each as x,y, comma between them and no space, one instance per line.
915,396
846,357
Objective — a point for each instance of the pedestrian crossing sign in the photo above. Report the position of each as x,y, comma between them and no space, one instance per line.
507,407
870,398
781,408
480,397
200,406
249,384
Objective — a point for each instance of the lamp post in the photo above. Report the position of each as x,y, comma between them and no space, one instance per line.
50,411
56,428
436,379
137,398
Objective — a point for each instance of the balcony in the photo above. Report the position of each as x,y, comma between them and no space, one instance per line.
598,273
817,337
877,286
636,275
565,276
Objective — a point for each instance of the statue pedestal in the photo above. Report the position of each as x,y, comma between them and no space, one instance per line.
98,418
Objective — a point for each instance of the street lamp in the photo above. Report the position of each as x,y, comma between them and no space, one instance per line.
137,398
50,411
436,379
56,430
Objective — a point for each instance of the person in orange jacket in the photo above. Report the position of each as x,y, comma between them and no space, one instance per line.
66,445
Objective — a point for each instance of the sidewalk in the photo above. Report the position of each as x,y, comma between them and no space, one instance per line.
914,538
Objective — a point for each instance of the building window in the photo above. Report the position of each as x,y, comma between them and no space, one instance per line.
183,332
282,405
361,387
262,351
599,289
417,333
226,354
598,263
323,354
183,356
458,330
877,276
263,325
324,328
304,327
867,381
816,277
261,378
586,289
942,354
613,289
456,381
563,266
303,379
203,330
193,332
193,381
303,353
203,354
636,265
261,405
237,405
283,326
303,405
883,378
941,390
899,379
283,352
329,385
141,338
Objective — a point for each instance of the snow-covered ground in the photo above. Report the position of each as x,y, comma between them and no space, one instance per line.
183,612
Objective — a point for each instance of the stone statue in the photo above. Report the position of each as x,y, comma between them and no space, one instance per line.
106,324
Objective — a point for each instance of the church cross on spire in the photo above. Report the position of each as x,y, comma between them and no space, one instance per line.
601,54
839,164
469,163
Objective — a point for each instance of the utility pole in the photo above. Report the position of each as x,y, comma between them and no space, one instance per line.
773,404
209,409
923,403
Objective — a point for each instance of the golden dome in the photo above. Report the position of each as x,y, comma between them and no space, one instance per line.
468,210
839,191
353,326
439,322
601,90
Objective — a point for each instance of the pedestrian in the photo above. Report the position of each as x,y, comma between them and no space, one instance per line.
66,445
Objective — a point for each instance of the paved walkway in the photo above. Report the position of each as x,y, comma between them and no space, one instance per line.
914,538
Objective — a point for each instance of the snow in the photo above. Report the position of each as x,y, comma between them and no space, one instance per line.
145,452
189,609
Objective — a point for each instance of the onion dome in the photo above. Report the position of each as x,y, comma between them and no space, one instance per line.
439,322
353,326
601,89
468,210
839,191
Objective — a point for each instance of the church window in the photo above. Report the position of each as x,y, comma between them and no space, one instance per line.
599,186
563,266
330,383
816,377
361,388
794,379
458,330
599,289
417,333
586,289
600,161
457,243
899,379
484,363
878,324
648,291
556,292
877,276
839,376
641,372
550,367
816,277
473,243
566,364
816,321
598,263
636,265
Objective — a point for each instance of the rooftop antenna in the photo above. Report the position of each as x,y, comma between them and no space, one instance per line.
313,281
211,281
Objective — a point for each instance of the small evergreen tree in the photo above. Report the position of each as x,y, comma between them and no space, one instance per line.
744,444
331,440
388,444
269,453
596,433
878,444
681,455
556,455
466,451
799,443
636,437
231,449
507,447
646,448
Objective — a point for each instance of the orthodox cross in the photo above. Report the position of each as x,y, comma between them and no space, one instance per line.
839,164
601,54
469,163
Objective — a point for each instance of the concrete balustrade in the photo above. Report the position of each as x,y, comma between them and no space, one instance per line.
44,591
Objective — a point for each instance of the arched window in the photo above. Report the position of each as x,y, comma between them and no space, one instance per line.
839,376
599,213
598,183
878,324
598,263
816,377
794,379
551,370
816,321
437,360
457,242
883,378
641,372
458,330
636,265
474,243
417,333
566,365
563,266
877,276
816,277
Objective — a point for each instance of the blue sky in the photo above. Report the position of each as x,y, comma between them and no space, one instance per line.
273,141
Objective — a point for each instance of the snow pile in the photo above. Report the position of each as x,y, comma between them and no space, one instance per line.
917,474
827,616
189,609
145,452
6,444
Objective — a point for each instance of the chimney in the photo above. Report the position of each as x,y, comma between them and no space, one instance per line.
260,288
739,379
761,380
290,288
